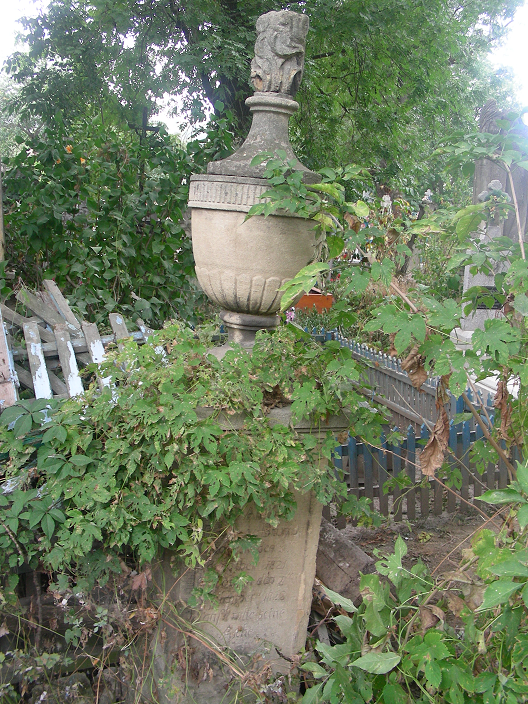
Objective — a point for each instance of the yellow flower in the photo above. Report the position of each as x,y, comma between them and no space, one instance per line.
83,161
69,148
58,161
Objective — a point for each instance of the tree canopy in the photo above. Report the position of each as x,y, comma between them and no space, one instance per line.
384,81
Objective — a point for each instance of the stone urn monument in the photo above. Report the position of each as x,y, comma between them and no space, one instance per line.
241,263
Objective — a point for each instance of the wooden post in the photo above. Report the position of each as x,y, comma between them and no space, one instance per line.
37,364
8,392
2,234
68,362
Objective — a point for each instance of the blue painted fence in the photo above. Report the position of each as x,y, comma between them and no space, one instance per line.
367,469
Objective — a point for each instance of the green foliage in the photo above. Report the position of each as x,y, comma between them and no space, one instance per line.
101,212
171,454
384,82
461,639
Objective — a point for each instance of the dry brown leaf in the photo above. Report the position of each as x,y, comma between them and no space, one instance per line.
392,235
432,457
342,437
474,595
4,630
442,390
428,618
392,351
455,603
141,579
437,612
458,576
413,365
353,222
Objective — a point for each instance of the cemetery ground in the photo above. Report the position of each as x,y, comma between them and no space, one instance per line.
436,540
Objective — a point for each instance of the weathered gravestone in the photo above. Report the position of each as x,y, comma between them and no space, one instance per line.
241,264
489,177
265,624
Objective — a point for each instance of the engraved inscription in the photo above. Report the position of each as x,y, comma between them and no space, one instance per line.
274,606
222,195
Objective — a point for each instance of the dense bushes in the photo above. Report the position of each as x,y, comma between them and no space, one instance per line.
102,212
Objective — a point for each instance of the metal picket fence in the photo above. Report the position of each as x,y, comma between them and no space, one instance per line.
367,468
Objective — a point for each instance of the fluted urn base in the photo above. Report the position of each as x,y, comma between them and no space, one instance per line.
242,328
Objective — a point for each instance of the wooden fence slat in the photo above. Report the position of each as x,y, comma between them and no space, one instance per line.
37,363
40,309
24,377
96,351
62,304
503,470
94,343
147,334
383,476
453,441
17,319
424,490
338,458
369,471
353,466
396,469
411,473
8,390
477,478
57,385
464,492
117,323
68,362
79,345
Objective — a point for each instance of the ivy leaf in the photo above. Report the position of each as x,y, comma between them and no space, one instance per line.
433,673
48,525
10,415
313,694
520,303
522,476
303,281
316,669
501,496
358,281
23,425
394,694
335,246
498,339
383,271
81,460
485,681
522,516
347,604
377,663
498,593
361,209
331,189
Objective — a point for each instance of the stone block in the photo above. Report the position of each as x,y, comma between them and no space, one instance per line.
339,561
264,625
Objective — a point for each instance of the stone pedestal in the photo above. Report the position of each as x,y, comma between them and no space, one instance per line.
264,625
271,613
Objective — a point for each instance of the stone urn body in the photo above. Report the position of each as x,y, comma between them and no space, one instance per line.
241,263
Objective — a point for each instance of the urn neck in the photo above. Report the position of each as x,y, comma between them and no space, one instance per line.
268,133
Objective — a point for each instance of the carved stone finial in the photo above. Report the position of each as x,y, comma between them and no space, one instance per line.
279,52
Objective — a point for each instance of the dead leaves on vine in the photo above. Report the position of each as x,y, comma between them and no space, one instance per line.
432,457
413,364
